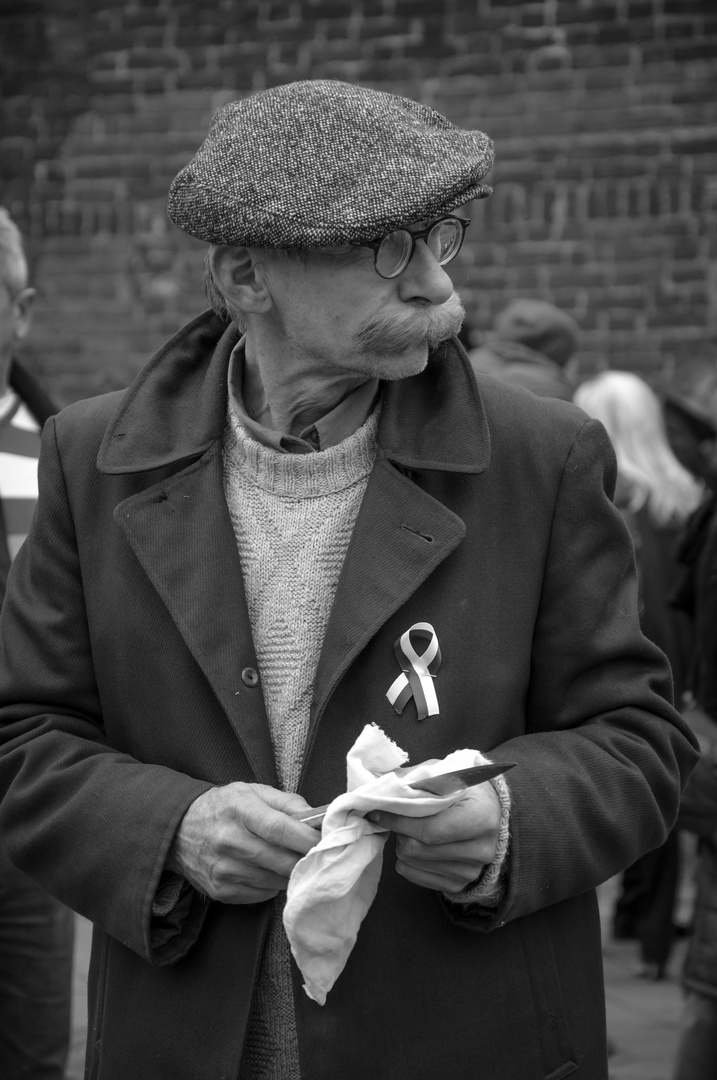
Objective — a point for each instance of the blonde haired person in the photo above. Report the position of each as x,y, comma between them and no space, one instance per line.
649,474
656,495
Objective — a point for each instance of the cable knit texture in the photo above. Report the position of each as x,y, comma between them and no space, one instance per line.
293,516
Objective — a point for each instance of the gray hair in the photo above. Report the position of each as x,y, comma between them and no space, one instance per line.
217,299
214,294
13,264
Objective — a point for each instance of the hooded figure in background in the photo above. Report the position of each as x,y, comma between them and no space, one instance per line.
531,346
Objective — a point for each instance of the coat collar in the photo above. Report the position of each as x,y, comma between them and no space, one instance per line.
175,409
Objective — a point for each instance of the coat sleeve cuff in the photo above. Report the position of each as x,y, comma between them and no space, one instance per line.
173,934
177,915
169,892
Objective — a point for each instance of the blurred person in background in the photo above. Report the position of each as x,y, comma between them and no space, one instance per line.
36,931
697,1049
697,594
24,406
656,495
692,434
532,345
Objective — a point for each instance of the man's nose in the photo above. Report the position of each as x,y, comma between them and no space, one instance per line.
424,278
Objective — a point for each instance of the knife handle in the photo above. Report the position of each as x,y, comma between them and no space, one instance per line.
315,818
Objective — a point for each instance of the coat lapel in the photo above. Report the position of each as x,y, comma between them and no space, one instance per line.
433,421
401,535
181,533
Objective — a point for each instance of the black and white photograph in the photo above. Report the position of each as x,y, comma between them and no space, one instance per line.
358,545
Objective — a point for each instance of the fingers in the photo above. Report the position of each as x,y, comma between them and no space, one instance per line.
272,814
287,801
430,830
473,852
276,828
255,842
238,810
232,883
445,881
447,851
448,868
476,816
237,843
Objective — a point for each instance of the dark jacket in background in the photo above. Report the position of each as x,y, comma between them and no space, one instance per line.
693,437
531,344
519,365
645,906
698,810
698,814
696,594
31,393
656,552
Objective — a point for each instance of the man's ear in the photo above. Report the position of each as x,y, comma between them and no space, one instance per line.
22,306
234,270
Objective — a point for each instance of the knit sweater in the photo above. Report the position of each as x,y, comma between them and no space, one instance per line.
293,516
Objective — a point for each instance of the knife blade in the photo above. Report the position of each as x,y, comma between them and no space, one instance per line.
447,783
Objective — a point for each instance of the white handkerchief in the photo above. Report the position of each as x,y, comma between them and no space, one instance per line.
331,889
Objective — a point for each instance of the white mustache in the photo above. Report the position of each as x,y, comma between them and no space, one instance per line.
400,331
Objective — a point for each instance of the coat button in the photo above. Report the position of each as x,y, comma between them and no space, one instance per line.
250,676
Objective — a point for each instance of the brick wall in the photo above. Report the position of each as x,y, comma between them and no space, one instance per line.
603,114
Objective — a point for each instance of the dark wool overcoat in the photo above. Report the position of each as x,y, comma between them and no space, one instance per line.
124,638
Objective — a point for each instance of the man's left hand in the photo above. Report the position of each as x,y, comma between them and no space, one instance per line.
448,850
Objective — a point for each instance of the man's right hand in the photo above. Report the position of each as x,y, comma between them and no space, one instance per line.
239,843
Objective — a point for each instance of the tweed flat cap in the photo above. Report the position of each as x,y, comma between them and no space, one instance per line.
322,162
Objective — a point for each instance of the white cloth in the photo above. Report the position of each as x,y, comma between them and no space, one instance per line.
331,889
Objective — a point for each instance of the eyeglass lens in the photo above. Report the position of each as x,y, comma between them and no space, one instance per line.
443,241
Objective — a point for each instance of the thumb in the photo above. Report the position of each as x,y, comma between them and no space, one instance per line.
288,802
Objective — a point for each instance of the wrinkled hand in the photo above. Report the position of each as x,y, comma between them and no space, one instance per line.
239,843
447,851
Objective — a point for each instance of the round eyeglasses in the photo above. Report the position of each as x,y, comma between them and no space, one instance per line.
444,239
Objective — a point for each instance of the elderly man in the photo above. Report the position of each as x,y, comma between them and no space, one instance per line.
205,618
36,931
